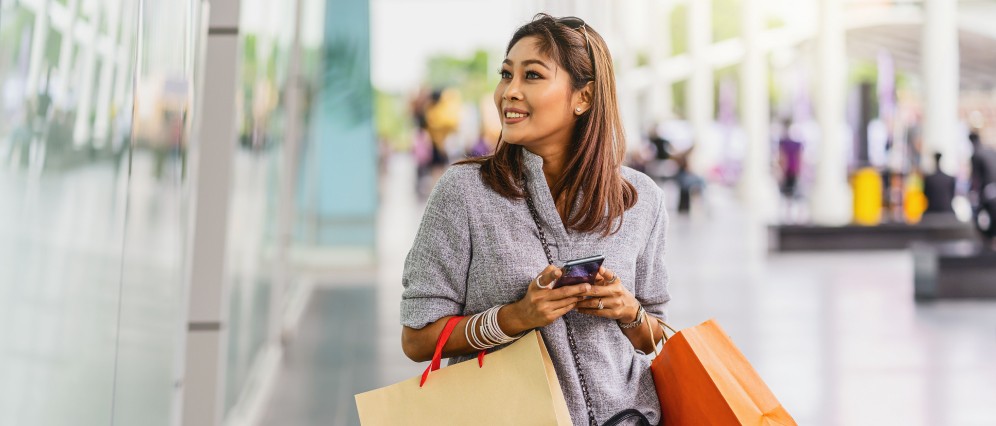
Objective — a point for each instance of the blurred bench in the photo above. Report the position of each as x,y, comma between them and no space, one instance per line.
888,236
961,269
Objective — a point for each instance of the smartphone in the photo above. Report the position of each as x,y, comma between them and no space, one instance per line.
579,271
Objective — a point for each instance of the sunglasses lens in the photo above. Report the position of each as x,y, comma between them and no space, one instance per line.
572,22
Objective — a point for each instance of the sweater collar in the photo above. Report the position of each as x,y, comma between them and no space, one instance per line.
542,196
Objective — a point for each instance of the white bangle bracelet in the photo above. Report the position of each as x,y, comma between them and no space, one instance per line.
490,333
476,342
496,332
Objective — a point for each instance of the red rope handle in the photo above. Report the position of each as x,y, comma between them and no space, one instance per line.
438,355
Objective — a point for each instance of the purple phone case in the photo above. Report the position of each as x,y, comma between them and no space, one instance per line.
581,273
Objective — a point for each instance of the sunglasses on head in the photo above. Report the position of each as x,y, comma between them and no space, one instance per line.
576,23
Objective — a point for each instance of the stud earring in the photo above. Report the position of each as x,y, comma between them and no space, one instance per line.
578,109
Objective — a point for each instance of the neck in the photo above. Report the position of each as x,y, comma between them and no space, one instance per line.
553,163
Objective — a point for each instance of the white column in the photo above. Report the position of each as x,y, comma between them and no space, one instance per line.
66,49
123,60
624,55
288,183
213,147
101,125
939,69
831,198
39,37
662,101
699,96
757,186
87,63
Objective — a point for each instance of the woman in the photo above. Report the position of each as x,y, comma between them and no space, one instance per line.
478,250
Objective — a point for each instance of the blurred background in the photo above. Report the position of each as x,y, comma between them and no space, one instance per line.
205,205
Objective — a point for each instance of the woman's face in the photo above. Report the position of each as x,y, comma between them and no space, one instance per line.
534,98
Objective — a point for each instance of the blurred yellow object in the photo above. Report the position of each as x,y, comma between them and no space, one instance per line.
867,183
443,117
916,202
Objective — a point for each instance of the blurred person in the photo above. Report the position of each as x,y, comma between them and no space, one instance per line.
422,151
790,166
983,189
442,117
939,188
554,186
662,146
481,147
689,184
419,104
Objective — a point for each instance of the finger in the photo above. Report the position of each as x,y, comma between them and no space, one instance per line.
564,309
570,291
611,290
567,303
591,303
608,276
550,275
602,273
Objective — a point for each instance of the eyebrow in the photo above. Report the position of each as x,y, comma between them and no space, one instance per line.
528,62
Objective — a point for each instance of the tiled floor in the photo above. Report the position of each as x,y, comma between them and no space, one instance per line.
837,337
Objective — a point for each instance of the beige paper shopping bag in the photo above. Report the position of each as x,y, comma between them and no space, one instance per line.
516,385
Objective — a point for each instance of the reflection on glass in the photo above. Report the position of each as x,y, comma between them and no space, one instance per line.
90,229
266,31
62,207
152,320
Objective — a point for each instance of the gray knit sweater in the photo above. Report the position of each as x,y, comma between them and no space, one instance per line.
476,249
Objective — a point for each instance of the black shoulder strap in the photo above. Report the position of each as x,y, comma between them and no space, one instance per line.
626,415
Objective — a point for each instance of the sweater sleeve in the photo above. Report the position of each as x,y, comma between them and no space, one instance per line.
435,273
651,275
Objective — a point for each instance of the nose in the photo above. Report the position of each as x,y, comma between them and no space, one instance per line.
512,92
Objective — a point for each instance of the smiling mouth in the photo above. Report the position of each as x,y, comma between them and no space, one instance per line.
514,115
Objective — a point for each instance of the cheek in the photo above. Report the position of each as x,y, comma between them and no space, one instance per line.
553,114
554,109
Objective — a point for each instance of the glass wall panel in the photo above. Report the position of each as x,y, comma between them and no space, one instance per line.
266,33
153,318
93,207
63,198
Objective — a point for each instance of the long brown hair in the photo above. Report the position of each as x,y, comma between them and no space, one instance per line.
591,179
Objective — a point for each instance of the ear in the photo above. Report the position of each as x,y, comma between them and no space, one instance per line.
582,98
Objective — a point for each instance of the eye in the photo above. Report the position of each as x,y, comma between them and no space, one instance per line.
505,75
532,75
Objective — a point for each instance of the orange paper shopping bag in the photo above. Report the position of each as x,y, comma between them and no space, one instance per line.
703,379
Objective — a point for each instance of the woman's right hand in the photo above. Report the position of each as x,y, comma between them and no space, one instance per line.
542,306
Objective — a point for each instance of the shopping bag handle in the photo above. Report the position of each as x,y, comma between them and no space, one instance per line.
663,325
437,356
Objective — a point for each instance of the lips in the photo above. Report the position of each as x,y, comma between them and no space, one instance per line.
514,115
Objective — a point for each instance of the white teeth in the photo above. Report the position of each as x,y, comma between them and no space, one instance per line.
514,115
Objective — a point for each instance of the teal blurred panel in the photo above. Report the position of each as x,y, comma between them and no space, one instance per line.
344,144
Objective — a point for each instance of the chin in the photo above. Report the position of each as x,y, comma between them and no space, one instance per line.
512,139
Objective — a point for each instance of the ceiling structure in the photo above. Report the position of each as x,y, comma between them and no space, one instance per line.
976,52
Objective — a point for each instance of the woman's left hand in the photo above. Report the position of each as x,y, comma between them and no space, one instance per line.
616,301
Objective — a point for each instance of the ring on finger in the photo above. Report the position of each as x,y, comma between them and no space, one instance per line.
537,281
600,305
